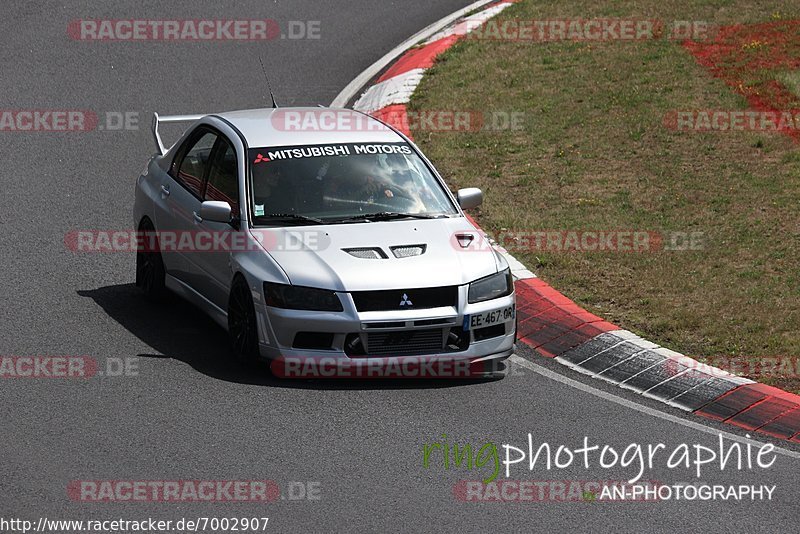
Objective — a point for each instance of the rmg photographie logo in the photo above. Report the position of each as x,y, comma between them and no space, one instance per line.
636,458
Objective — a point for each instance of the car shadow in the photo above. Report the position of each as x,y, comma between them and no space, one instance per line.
177,330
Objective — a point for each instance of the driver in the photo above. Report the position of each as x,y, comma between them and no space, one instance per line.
374,190
347,188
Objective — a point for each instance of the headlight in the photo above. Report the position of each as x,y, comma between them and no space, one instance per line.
492,287
301,298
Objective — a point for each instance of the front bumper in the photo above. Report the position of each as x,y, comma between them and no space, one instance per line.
429,334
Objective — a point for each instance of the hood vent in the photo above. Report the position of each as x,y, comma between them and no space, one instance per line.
408,251
465,240
366,253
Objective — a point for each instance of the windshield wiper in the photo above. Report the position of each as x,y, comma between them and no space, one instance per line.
388,215
287,217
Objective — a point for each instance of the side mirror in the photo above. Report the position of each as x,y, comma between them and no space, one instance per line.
215,211
470,197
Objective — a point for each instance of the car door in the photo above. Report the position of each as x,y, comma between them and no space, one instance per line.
180,199
222,184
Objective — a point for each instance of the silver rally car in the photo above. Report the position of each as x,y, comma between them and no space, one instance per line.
317,232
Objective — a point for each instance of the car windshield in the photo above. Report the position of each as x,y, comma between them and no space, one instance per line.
343,183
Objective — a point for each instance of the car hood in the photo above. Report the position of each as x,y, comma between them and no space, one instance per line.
313,256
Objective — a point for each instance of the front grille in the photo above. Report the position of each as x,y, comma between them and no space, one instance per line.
431,322
386,324
405,343
406,299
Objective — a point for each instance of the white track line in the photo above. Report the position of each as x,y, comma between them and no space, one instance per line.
522,362
352,89
396,90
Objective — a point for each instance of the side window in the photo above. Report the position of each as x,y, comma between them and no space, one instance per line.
195,163
223,181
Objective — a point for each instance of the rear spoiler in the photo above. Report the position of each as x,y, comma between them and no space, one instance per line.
169,118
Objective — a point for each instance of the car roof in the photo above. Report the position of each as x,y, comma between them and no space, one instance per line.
273,127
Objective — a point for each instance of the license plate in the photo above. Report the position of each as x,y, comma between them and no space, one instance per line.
489,318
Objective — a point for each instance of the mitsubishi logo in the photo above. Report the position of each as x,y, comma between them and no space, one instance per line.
406,301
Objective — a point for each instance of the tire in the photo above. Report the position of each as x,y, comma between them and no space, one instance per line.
242,327
150,272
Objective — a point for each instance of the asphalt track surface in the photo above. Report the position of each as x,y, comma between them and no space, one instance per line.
190,414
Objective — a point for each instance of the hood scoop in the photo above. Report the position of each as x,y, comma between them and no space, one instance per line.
408,251
377,253
367,253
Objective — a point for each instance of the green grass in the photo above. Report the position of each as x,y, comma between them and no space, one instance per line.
595,155
791,80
